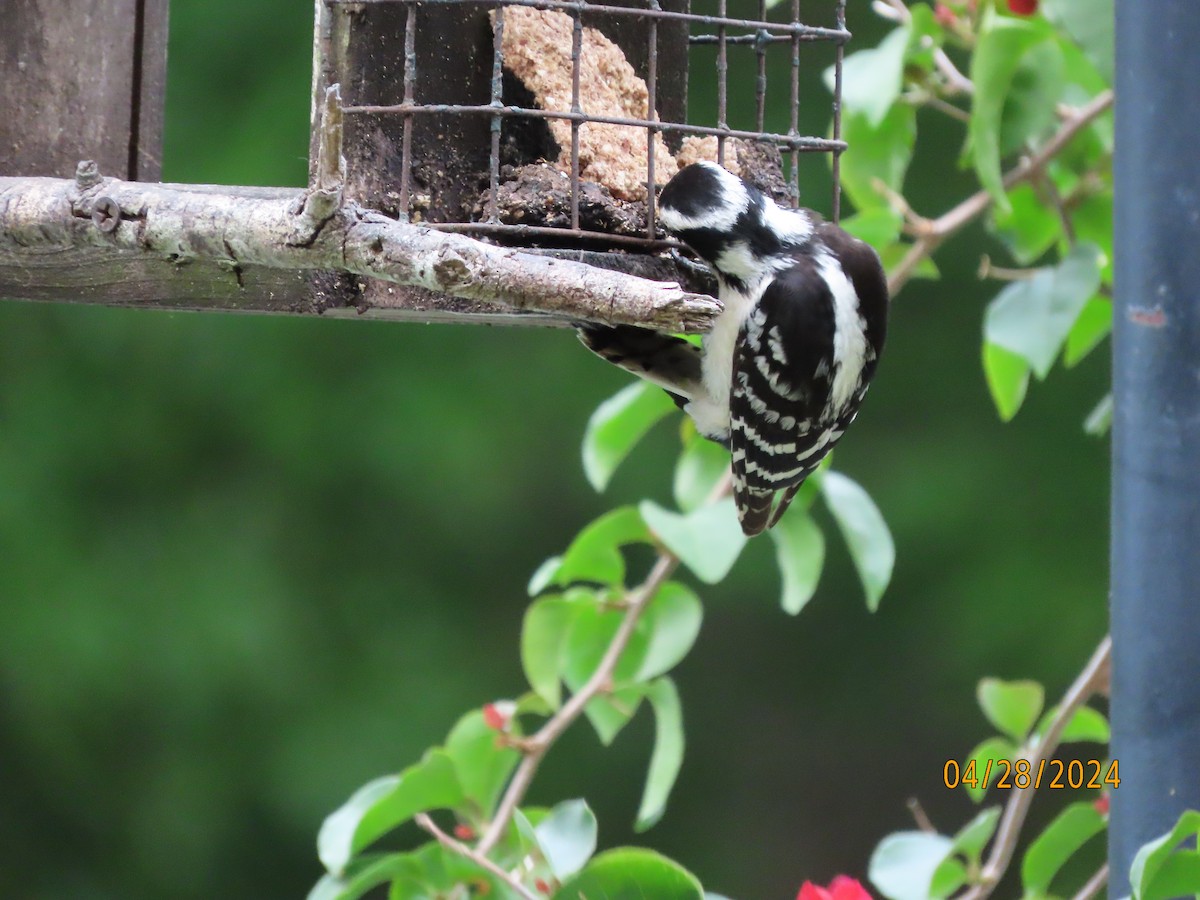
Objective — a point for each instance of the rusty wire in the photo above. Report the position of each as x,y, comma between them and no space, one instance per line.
759,35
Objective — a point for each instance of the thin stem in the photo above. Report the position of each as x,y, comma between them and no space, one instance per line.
956,82
1094,885
932,232
935,102
423,820
920,816
536,746
1001,273
1090,681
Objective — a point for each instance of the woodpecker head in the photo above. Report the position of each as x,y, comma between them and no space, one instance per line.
729,222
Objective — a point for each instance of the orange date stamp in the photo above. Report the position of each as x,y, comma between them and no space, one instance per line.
1022,774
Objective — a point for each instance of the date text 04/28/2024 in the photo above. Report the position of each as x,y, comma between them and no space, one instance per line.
1023,774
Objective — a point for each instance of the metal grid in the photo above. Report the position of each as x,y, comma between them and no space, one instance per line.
757,34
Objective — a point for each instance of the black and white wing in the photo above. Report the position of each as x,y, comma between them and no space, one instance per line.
783,371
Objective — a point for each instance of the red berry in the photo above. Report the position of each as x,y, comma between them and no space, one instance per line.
541,886
1100,804
1023,7
498,715
464,832
946,17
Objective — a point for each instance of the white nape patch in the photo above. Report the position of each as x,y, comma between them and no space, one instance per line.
791,226
738,262
732,202
849,338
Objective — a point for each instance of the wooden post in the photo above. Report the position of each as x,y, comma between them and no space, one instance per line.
83,79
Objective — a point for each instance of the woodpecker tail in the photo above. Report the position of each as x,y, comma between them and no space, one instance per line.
753,508
668,361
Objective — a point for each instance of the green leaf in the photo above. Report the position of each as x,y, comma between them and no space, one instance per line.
591,632
866,534
617,425
1011,706
1178,877
595,554
629,873
1090,24
483,766
701,465
609,713
1030,107
667,757
1099,420
1028,229
973,837
1086,725
363,874
880,152
1002,43
947,878
383,804
903,865
1033,317
543,575
670,625
1058,842
871,79
1093,221
1091,327
1007,378
567,837
800,553
708,541
891,256
988,751
1150,859
878,226
543,638
925,36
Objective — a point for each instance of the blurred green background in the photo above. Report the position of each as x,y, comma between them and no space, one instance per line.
249,563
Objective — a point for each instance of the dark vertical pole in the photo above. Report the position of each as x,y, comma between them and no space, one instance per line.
1156,426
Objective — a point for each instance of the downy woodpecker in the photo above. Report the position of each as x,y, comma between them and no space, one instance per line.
782,373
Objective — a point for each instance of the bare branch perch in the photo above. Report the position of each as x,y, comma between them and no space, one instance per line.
932,232
112,221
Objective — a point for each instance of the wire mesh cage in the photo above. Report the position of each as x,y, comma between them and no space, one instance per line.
551,123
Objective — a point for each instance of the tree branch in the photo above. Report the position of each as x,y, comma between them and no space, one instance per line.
237,228
423,820
1091,680
536,746
932,232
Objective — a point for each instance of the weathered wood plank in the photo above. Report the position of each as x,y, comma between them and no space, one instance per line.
82,79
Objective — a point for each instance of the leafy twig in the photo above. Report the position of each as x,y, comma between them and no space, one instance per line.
423,820
535,747
1090,681
956,81
932,232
